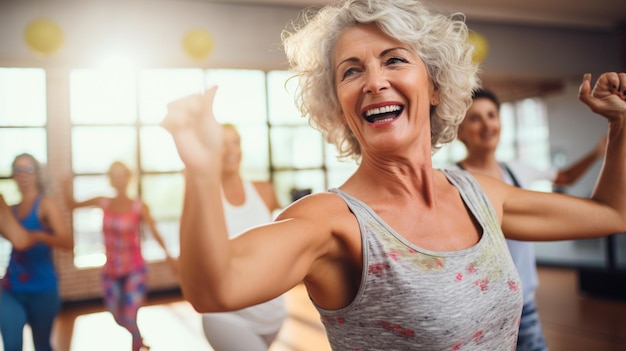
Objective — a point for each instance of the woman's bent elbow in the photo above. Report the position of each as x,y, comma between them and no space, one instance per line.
204,304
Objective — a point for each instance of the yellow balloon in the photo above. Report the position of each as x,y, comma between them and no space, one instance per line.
481,47
198,44
43,36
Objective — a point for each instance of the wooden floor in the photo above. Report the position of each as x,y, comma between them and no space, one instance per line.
572,322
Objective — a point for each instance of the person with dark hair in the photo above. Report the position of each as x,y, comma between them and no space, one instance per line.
246,204
124,273
480,133
402,256
29,291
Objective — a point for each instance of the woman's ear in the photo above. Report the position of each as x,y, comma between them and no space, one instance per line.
460,133
434,98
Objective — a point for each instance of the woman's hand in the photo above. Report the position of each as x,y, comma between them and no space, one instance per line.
196,133
608,97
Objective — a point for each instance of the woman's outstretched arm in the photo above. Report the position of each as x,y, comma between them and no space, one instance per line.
536,216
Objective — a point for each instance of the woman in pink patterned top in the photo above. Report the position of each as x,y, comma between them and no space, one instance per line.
124,273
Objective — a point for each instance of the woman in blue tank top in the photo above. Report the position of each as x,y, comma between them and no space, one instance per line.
29,290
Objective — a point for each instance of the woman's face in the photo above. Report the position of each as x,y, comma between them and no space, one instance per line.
24,173
119,177
231,158
481,127
384,90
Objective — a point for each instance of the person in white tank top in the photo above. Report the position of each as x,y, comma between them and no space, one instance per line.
246,204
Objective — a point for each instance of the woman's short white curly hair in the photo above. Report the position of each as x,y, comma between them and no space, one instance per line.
440,41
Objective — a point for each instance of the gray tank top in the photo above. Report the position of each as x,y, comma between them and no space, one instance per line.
411,298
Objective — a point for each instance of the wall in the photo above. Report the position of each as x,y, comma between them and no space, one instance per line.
245,36
249,37
525,52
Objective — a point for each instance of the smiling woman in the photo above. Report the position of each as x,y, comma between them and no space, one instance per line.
29,292
22,129
396,220
442,72
376,72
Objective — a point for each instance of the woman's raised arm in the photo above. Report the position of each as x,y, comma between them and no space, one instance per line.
216,273
539,216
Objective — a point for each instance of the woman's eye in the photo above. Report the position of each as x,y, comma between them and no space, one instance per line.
393,60
348,72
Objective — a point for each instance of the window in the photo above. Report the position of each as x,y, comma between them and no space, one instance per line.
242,100
115,116
22,129
301,160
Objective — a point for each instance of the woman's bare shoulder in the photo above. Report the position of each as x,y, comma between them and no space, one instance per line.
324,210
322,202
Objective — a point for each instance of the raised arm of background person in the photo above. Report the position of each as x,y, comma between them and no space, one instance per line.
70,201
538,216
50,214
218,274
569,175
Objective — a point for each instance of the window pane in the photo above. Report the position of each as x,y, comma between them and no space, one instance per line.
286,181
150,248
164,195
14,141
281,103
159,87
255,162
103,97
534,146
298,147
240,95
22,97
336,177
449,153
338,171
506,147
95,148
88,241
9,190
158,151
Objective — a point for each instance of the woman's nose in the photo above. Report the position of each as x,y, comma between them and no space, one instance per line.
375,81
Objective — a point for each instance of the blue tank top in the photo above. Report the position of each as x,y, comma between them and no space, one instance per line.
31,270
